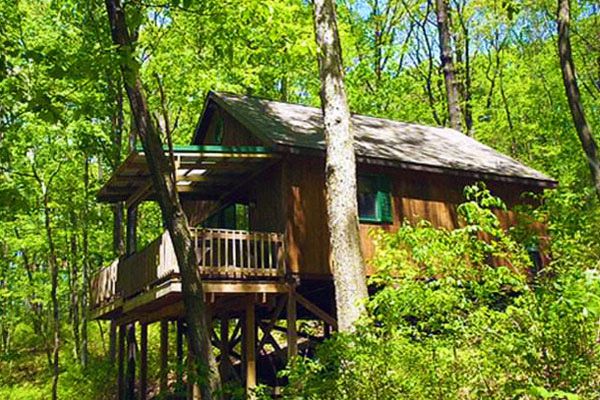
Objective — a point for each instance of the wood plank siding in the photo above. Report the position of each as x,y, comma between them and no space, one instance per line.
234,133
415,196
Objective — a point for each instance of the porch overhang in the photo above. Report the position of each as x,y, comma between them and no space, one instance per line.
203,173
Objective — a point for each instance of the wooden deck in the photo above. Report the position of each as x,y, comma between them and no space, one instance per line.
223,255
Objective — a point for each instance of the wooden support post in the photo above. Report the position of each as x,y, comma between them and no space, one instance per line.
131,243
164,355
143,361
225,362
112,345
121,364
250,347
131,355
292,333
179,355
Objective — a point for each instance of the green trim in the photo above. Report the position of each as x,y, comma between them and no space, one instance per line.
213,149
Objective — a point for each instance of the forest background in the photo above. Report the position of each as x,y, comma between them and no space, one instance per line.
64,127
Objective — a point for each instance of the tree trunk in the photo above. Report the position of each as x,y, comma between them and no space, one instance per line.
340,171
74,280
131,358
117,123
36,306
573,96
85,267
172,211
465,85
443,26
53,266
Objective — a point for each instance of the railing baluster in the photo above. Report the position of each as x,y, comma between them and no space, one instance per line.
219,241
270,252
255,254
212,251
203,254
262,251
241,253
248,264
233,250
226,250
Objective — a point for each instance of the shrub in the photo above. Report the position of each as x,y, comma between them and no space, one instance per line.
458,316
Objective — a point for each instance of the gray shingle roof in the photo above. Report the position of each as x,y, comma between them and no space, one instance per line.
300,126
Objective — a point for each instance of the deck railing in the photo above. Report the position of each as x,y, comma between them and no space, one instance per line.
104,285
233,253
221,253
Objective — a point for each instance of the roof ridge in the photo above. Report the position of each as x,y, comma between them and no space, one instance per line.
352,114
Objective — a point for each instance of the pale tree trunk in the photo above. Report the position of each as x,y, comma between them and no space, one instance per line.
573,96
340,171
85,267
443,25
172,211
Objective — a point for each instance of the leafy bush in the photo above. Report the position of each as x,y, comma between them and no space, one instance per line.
459,316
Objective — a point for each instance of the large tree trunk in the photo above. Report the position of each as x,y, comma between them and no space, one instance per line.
340,170
117,124
443,26
573,96
168,199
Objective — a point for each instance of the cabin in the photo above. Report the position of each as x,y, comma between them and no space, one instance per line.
252,183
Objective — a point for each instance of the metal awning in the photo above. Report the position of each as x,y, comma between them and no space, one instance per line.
203,173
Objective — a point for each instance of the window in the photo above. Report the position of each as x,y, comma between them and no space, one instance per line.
536,258
374,199
219,131
234,216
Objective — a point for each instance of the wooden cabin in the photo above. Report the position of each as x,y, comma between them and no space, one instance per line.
253,186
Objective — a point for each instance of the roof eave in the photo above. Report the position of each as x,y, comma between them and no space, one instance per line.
548,183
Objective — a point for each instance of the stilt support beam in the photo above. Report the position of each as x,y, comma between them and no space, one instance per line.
164,355
143,361
179,355
292,333
250,347
131,356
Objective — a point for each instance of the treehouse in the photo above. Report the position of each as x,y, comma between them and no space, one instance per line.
253,186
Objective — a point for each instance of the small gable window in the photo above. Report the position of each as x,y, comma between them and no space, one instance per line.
219,131
374,199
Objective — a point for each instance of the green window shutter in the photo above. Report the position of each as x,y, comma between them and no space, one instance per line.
384,199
